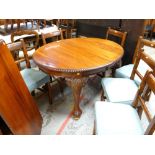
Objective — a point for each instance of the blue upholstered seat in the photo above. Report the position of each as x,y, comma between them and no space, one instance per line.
119,89
118,118
125,71
112,118
34,78
123,90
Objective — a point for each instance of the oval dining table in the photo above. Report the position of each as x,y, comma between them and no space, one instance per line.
76,59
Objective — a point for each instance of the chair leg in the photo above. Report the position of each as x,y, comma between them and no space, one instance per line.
60,86
102,95
101,74
117,65
59,80
49,92
113,72
94,131
33,93
151,35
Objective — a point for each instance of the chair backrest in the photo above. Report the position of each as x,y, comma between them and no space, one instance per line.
116,33
140,102
64,25
15,48
31,38
66,22
147,59
62,22
72,23
140,44
46,35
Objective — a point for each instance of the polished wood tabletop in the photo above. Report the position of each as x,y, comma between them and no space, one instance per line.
78,56
76,59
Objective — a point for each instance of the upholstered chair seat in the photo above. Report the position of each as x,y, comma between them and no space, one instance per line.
123,90
111,118
119,89
124,119
34,78
125,71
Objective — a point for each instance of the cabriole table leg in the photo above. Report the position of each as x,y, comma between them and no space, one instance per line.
76,85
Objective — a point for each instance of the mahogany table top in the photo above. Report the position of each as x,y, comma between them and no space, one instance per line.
77,56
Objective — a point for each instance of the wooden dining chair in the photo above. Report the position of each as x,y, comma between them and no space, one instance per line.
119,37
111,118
56,35
73,30
31,39
123,90
68,27
118,34
33,78
125,71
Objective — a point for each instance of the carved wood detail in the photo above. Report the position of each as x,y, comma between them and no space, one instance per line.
76,85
